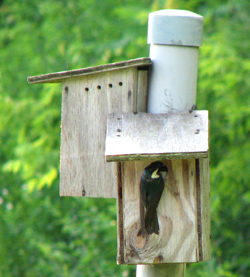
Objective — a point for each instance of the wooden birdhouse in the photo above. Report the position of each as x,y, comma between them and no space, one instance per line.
88,96
119,118
180,140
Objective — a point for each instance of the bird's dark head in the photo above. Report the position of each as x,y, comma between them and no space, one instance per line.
156,170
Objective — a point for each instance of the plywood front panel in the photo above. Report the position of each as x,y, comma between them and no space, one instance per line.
86,102
179,215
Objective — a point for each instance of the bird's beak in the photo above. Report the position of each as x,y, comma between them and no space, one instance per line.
155,174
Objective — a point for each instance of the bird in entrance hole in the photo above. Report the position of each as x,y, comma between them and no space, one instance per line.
151,188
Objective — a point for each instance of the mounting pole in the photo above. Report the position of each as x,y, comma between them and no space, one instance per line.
174,37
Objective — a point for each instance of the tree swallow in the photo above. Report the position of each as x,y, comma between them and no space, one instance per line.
151,188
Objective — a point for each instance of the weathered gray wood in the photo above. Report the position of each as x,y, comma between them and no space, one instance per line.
182,202
205,222
145,136
59,77
142,90
87,101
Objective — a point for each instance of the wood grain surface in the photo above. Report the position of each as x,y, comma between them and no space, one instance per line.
145,136
86,102
182,212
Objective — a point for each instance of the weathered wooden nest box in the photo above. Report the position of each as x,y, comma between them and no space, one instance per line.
107,104
88,96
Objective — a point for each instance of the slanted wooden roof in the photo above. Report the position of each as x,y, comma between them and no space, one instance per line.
145,136
58,77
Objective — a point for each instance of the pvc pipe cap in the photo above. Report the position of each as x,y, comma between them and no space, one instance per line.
175,27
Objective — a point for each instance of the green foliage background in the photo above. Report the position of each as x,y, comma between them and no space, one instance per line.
44,235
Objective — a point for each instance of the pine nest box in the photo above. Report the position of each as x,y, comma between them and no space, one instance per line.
107,139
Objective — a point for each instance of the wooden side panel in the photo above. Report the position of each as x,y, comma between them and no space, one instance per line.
142,91
177,241
205,230
86,102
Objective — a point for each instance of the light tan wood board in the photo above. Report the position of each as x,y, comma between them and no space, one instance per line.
179,240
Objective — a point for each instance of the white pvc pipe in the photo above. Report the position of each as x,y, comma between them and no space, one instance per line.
161,270
174,37
173,79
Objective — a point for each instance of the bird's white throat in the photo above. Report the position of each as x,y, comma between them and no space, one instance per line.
164,174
